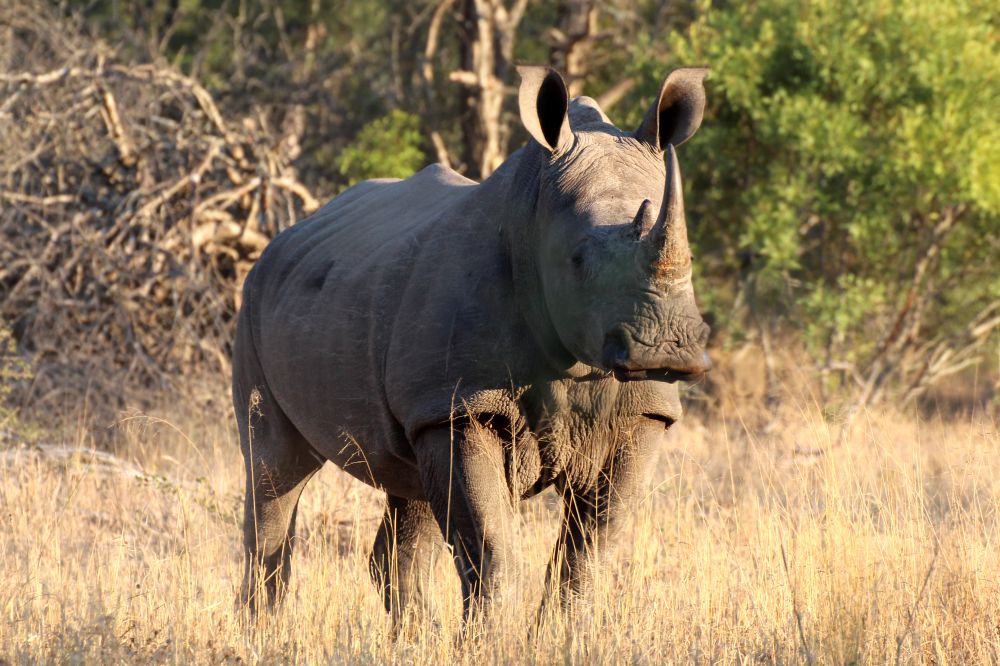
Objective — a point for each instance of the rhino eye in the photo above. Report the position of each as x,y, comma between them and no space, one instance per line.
583,259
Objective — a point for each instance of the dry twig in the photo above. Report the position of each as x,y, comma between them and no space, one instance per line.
130,211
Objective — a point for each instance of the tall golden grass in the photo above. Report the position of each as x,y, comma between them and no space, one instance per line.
776,545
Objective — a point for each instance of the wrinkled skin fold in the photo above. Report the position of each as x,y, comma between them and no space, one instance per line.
464,346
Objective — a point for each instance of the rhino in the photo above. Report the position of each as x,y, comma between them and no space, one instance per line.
463,346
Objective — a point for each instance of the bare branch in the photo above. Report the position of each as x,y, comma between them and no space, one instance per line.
616,93
125,260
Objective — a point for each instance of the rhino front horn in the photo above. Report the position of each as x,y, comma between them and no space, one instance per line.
667,241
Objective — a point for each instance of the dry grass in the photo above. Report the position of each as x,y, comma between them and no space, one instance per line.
749,547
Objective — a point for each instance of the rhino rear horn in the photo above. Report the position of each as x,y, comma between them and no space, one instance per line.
644,219
543,102
677,111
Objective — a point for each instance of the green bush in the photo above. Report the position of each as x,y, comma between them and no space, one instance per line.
387,147
849,165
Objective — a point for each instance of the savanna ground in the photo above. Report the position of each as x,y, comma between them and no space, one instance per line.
777,543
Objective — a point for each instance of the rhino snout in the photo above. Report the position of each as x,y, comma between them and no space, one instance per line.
632,359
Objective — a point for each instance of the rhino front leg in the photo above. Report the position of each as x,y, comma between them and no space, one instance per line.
462,471
593,516
403,553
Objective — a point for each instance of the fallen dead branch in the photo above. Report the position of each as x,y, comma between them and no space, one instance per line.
131,208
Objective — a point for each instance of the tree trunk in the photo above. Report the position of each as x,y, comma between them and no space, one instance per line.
488,30
573,41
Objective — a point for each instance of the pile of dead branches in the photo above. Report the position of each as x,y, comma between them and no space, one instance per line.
131,208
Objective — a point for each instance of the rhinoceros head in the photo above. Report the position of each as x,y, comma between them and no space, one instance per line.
613,257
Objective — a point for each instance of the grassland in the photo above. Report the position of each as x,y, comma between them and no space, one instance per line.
772,544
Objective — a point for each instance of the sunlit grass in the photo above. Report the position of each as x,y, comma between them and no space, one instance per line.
782,546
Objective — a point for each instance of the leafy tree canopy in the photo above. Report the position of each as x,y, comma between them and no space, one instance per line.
851,163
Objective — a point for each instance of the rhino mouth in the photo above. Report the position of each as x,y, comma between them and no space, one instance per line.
655,374
667,421
623,375
625,355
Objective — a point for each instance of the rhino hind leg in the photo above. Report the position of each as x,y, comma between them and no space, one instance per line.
402,556
279,463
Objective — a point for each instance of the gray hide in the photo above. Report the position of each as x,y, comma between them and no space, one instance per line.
463,346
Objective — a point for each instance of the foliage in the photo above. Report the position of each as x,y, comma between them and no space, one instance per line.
844,188
850,164
296,63
387,147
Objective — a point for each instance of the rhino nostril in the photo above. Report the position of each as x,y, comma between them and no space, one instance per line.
615,353
703,334
697,367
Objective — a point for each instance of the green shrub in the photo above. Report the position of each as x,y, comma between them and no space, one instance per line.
848,171
387,147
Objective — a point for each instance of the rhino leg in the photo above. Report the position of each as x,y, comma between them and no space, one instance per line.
278,463
462,471
403,553
593,516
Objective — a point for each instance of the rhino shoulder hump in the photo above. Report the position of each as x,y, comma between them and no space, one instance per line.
442,174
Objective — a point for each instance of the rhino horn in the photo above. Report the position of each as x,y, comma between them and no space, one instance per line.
644,220
667,241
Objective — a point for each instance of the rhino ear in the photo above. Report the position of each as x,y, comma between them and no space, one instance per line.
543,103
676,113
